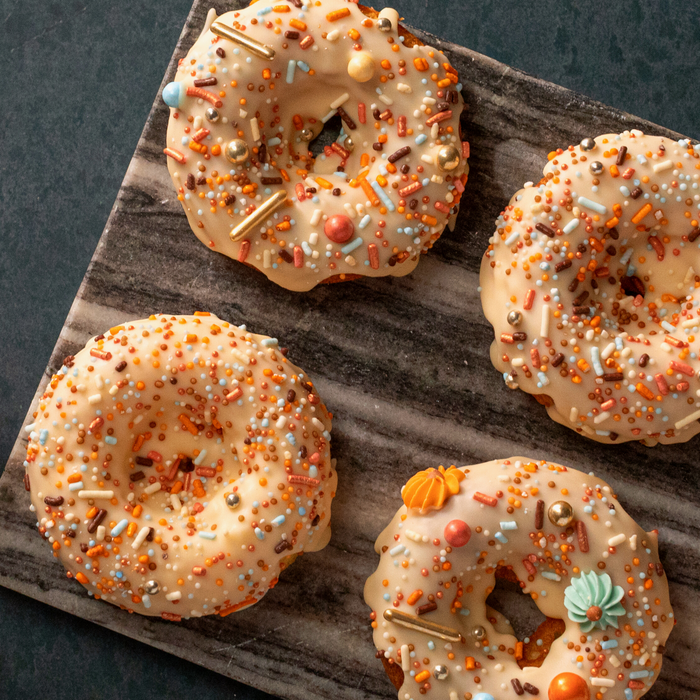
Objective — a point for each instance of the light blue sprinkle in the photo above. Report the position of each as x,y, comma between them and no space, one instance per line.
509,525
43,436
464,611
76,486
200,457
303,66
512,238
639,674
278,520
396,550
119,528
421,138
609,644
208,535
306,248
551,576
595,361
111,440
364,221
501,537
291,438
291,66
264,11
352,245
668,326
274,141
590,204
543,378
625,191
383,196
259,533
268,342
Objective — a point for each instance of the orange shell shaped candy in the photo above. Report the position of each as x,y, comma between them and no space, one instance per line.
568,686
430,489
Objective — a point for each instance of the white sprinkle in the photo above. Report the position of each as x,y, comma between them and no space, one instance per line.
152,488
98,494
175,595
602,682
140,538
687,420
318,423
426,158
101,532
95,398
315,217
617,539
633,543
340,101
113,390
665,165
601,417
544,328
351,261
350,210
266,258
402,87
386,100
405,658
281,422
333,35
175,502
608,351
255,129
573,414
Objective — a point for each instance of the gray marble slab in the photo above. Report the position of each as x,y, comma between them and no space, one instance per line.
404,365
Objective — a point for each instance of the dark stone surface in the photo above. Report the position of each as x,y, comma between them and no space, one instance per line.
77,83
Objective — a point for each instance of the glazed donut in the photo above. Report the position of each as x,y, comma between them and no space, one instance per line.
562,535
178,464
259,84
590,283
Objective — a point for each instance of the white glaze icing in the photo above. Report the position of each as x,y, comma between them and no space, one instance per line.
161,419
390,226
628,362
418,567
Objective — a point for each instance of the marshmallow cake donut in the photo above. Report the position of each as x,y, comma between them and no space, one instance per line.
590,569
178,464
259,84
591,284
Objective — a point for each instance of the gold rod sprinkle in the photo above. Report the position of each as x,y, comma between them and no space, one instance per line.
259,215
415,623
243,40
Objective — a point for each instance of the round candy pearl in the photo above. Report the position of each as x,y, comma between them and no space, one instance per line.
568,686
457,533
483,696
173,94
361,67
339,228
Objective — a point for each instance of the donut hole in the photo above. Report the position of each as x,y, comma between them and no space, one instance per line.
528,623
328,135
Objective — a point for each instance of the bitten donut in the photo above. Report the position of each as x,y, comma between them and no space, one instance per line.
178,464
590,569
259,84
591,284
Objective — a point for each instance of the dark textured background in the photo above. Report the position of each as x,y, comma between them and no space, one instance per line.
76,82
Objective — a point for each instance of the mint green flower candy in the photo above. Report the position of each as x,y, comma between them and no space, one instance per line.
593,601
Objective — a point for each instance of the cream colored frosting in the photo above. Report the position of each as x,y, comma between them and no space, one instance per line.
623,364
208,452
336,58
498,503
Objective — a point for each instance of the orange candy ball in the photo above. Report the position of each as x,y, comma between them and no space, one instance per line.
568,686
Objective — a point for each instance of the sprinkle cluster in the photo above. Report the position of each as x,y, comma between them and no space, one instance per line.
177,464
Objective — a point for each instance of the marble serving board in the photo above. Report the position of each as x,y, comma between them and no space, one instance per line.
404,365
